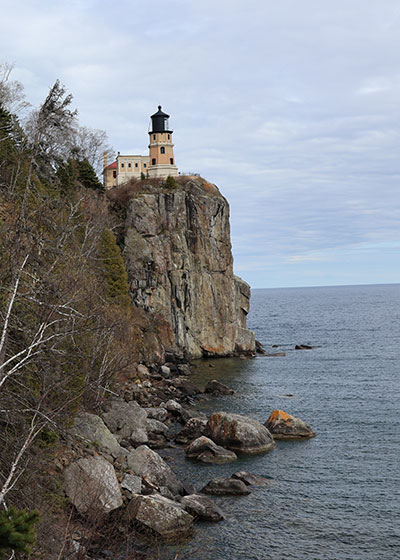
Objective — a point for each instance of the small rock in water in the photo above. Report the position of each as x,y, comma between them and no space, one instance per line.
205,450
250,478
259,348
302,347
202,507
225,487
284,426
216,387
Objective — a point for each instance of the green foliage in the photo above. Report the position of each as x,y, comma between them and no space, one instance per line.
142,176
114,271
88,177
48,437
170,182
17,529
67,174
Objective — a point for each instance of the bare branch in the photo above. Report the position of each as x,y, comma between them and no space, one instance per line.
10,306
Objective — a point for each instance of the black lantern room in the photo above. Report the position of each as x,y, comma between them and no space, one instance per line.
159,122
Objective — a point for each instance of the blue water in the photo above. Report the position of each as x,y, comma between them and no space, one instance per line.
336,496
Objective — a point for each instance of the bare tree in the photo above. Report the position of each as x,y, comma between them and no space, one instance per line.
12,95
92,144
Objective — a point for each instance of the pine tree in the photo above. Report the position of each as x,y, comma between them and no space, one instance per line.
87,176
17,529
115,275
170,182
67,175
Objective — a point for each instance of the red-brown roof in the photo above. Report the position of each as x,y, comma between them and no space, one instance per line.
112,165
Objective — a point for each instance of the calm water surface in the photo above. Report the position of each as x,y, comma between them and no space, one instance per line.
336,496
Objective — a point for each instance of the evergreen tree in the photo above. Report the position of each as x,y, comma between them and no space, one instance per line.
67,175
115,275
170,182
87,176
17,529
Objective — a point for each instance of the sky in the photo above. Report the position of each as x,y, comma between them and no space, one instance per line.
292,108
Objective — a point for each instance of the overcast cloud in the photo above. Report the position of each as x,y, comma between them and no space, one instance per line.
291,108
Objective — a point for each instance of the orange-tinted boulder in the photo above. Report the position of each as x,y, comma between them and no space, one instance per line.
284,426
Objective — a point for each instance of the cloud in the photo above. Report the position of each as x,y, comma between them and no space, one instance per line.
290,107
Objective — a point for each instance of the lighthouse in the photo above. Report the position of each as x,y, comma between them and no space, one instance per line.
161,148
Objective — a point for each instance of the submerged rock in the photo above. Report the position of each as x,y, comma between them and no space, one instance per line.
205,450
239,433
284,426
150,465
202,507
92,485
218,388
225,487
302,347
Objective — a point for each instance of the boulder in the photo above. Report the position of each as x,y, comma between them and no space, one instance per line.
156,427
142,370
245,340
147,463
239,433
202,507
218,388
225,487
186,387
162,516
92,485
92,428
173,406
205,450
185,415
303,347
260,348
251,479
160,414
284,426
193,429
127,420
166,371
132,483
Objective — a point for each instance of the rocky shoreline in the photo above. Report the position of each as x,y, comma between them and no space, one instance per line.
114,475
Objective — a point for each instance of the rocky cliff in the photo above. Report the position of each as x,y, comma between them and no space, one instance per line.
179,262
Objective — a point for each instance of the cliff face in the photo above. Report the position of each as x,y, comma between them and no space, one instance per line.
179,261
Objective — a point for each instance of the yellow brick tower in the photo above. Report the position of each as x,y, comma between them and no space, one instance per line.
162,162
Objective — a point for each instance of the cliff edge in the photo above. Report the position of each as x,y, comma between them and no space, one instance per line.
180,266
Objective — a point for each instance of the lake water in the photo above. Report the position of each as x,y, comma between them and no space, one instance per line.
336,496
